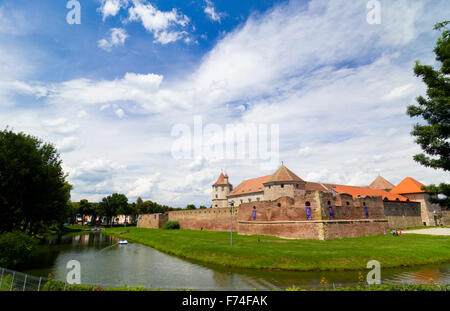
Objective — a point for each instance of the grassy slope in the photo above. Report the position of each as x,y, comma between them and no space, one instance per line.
275,253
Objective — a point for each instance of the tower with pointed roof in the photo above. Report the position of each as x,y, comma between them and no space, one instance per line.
283,183
381,184
221,189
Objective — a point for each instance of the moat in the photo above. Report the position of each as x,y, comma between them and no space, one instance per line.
104,262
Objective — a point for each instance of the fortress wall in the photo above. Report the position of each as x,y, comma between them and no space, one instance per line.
286,217
445,220
212,219
402,214
354,228
153,221
287,230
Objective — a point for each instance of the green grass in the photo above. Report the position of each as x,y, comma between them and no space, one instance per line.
264,252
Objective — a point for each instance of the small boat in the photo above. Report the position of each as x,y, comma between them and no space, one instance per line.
123,242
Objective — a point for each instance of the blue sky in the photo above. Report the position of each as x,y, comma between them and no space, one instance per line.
110,91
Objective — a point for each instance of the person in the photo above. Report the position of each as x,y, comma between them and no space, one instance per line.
393,232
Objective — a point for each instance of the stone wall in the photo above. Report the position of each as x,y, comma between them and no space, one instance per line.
153,221
213,219
286,217
402,214
445,220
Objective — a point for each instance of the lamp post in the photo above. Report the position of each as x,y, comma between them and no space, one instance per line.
231,223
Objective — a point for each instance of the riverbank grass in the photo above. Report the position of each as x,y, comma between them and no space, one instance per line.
264,252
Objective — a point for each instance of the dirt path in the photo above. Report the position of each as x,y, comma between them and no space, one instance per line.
431,231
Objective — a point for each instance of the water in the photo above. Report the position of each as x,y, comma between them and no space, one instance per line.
106,263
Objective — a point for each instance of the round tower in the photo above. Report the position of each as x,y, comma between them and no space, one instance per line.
221,190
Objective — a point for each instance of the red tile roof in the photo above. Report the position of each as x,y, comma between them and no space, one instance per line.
381,184
408,185
250,186
221,180
283,174
363,191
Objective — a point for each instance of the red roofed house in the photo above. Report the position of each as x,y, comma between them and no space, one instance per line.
412,189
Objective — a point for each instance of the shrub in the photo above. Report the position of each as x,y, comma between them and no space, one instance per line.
171,225
15,248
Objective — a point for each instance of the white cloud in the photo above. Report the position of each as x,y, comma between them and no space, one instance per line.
162,24
112,7
117,37
210,11
337,87
119,112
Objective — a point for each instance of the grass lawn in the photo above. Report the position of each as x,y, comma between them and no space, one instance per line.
266,252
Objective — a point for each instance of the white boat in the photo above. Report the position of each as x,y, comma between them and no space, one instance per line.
123,242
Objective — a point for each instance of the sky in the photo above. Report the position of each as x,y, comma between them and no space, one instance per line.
120,91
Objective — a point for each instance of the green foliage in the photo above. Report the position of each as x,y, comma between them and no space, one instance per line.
434,136
33,188
112,205
266,252
202,207
57,286
149,207
191,207
15,248
171,225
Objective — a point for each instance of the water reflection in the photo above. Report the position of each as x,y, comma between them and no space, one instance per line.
104,262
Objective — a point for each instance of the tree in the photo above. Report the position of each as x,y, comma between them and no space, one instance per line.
202,207
112,204
434,109
34,193
191,207
84,208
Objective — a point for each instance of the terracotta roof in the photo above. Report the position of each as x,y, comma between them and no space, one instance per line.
283,174
364,191
381,184
408,185
312,186
250,186
221,180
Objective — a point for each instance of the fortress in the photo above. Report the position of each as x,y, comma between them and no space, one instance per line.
284,205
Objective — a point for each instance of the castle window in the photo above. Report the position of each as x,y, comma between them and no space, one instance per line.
296,186
242,201
257,199
364,203
279,204
249,200
348,203
217,196
216,206
282,186
307,203
329,202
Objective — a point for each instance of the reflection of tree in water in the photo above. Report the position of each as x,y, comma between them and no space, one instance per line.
222,279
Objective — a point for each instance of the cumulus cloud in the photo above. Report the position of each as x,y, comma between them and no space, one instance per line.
210,11
112,7
337,87
117,37
164,25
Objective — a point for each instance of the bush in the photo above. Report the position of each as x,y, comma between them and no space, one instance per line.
15,248
171,225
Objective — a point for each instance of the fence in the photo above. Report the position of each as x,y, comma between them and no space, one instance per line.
17,281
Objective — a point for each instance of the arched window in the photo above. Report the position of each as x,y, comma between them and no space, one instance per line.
282,186
217,196
279,204
348,203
